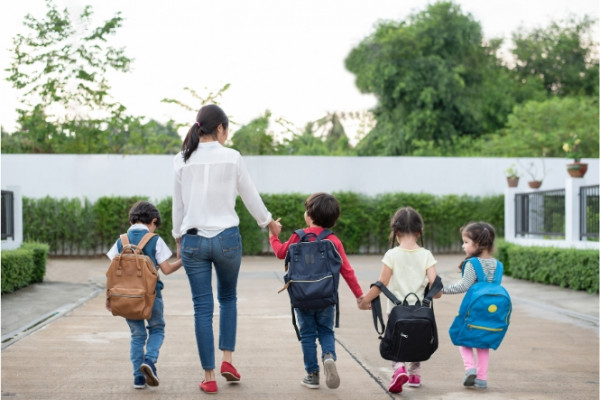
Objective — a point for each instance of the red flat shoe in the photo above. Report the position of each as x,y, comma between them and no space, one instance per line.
229,372
209,387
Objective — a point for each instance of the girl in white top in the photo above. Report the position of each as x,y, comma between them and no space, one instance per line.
407,268
207,179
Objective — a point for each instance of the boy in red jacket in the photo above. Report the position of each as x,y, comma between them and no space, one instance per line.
322,212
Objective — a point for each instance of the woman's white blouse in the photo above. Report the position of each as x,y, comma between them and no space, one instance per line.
205,190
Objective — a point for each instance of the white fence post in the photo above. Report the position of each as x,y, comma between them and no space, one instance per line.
572,209
509,214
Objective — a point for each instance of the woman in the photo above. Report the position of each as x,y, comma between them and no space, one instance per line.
208,178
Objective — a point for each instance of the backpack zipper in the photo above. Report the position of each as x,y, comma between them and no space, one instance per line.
485,328
132,296
316,280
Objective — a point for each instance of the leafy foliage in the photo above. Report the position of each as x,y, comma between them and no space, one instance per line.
559,55
434,81
56,64
571,268
540,128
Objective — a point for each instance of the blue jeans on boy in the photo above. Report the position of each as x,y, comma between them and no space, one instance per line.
152,340
316,324
198,255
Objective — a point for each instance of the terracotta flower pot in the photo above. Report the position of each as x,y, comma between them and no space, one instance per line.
534,184
513,181
577,169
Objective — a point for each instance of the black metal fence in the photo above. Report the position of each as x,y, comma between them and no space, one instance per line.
588,217
540,213
8,215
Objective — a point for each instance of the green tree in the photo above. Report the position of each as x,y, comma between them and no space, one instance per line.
254,138
57,64
561,56
434,80
540,128
305,144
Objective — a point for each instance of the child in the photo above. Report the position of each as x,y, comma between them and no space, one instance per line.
406,268
478,241
145,217
322,211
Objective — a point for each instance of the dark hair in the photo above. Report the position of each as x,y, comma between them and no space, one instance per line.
144,212
323,209
208,119
482,234
406,220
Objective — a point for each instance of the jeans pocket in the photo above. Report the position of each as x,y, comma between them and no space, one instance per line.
190,245
231,243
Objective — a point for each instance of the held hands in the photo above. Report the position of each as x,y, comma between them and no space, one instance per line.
362,304
274,227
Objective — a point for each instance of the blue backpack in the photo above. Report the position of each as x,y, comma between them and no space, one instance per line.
313,273
484,313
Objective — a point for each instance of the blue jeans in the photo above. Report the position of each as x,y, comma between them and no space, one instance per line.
198,255
316,324
152,340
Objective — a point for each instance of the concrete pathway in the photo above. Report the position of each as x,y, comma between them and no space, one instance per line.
60,343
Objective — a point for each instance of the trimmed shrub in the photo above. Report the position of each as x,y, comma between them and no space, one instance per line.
17,269
40,255
569,268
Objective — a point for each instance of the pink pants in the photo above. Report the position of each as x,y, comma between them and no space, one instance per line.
483,358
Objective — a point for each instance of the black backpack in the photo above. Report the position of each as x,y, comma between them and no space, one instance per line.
411,333
313,273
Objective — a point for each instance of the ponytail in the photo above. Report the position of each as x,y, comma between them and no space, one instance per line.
191,141
208,119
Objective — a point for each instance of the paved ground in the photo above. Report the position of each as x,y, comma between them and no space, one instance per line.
58,342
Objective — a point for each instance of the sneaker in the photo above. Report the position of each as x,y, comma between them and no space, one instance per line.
229,372
209,387
470,376
400,378
139,382
149,371
331,376
311,380
414,381
480,384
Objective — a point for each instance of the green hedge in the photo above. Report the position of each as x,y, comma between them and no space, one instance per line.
568,268
74,227
23,266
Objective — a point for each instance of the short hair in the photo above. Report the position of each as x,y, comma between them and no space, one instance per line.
323,209
144,212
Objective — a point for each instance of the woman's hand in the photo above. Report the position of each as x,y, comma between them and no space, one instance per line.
274,227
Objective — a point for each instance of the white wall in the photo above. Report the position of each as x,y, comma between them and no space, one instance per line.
94,176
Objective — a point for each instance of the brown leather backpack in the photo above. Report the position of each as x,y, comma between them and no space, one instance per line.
131,281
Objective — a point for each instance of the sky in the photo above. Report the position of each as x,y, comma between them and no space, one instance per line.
286,56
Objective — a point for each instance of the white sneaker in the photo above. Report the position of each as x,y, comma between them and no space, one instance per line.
332,379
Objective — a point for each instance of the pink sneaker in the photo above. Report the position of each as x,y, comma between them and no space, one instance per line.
400,378
414,381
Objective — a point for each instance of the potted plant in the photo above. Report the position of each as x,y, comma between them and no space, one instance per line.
536,180
512,175
572,148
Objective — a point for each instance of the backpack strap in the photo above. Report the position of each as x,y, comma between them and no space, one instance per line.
324,234
138,247
481,275
431,292
376,307
124,240
145,239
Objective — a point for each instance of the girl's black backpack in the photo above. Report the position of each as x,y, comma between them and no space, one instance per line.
411,332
